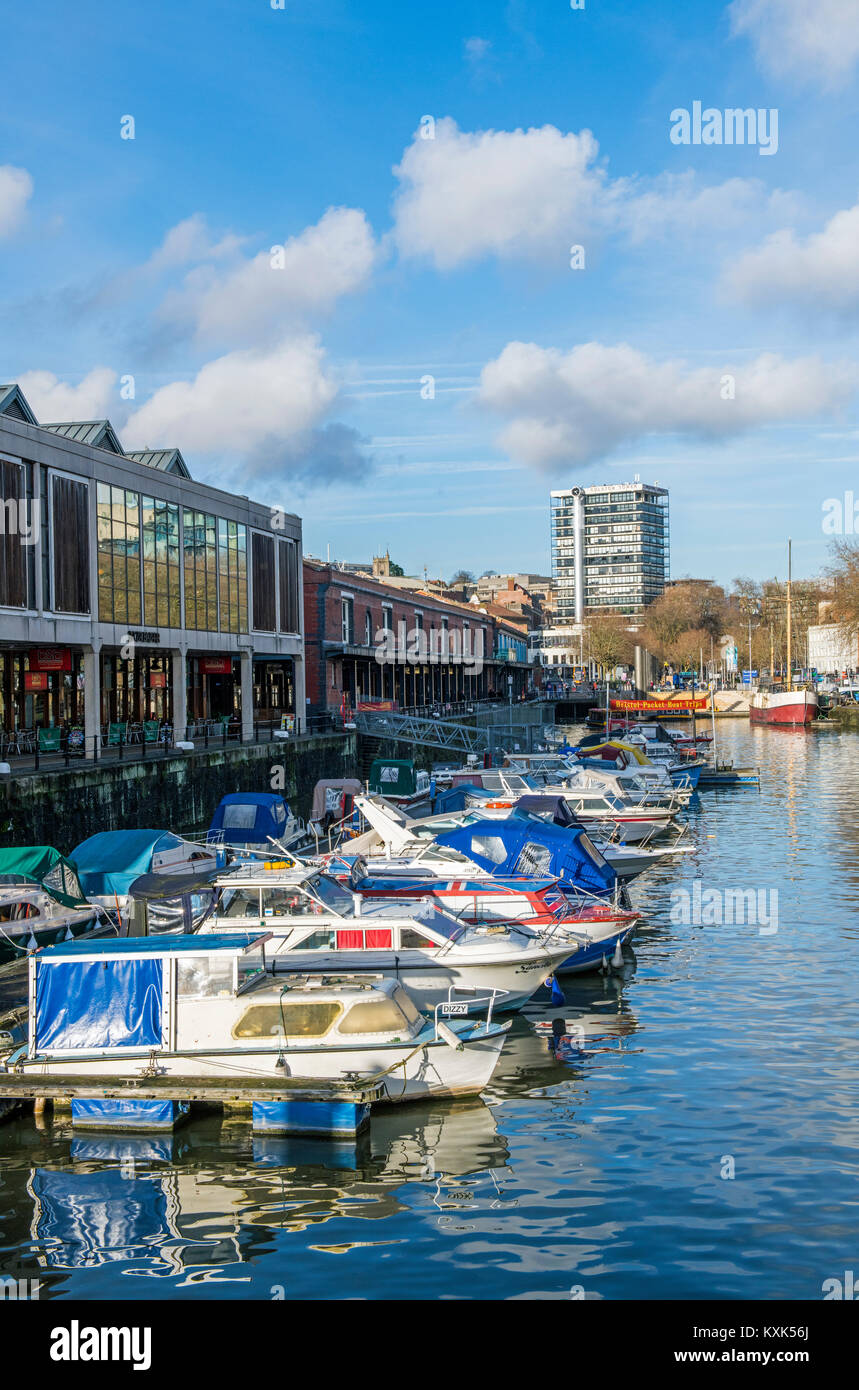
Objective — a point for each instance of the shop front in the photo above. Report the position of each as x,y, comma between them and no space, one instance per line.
135,689
40,688
274,688
214,688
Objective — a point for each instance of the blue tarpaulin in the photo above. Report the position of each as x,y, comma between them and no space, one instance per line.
98,1004
248,818
525,844
110,861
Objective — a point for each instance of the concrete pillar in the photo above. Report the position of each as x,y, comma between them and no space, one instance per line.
299,685
247,697
92,700
179,678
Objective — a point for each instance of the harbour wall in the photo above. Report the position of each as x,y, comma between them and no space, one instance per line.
64,806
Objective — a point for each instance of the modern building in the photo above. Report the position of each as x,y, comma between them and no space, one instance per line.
130,593
610,549
370,641
831,651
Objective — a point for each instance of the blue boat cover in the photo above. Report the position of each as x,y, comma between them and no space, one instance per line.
166,945
459,798
523,844
98,1004
248,818
110,861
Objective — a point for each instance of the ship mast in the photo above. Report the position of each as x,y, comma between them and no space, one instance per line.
789,680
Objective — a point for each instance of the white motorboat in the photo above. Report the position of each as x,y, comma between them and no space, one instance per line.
42,902
318,925
192,1007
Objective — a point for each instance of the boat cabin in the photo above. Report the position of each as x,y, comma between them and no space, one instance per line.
92,998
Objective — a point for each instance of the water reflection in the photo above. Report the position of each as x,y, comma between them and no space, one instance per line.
210,1197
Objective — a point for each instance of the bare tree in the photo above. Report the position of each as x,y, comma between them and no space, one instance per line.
610,641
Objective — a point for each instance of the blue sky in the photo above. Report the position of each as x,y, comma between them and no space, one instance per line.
299,376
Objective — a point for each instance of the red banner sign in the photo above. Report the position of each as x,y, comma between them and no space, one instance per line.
35,680
659,706
157,680
50,659
386,706
216,666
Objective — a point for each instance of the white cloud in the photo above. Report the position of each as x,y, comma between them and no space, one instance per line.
54,400
190,240
508,193
819,272
532,194
258,299
16,189
267,407
813,41
572,408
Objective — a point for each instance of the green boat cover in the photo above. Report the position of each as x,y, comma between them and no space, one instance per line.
393,777
44,865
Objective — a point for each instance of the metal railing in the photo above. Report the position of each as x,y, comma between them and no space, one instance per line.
110,746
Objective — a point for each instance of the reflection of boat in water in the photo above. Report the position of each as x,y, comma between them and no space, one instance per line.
202,1203
598,1013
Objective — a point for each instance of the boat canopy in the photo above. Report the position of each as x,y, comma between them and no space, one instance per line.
524,845
109,862
393,777
330,794
45,866
248,818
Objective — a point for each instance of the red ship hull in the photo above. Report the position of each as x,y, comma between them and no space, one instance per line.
795,711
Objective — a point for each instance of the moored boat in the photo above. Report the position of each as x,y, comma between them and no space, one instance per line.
188,1008
795,708
42,902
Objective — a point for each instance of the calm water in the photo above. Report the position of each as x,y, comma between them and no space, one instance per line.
724,1048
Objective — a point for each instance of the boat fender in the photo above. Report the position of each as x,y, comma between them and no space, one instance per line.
449,1036
617,958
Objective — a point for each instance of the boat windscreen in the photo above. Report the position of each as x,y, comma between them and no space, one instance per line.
591,851
430,916
330,893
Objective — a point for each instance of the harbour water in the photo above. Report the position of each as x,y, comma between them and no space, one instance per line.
708,1147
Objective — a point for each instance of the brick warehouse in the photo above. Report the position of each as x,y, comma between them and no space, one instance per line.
343,613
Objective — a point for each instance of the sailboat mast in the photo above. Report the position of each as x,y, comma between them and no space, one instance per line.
789,662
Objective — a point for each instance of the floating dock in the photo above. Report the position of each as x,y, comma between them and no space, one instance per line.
158,1104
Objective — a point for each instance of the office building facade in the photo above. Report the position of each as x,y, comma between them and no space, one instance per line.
130,593
610,549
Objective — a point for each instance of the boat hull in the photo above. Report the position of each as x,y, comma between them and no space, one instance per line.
432,1071
592,955
794,708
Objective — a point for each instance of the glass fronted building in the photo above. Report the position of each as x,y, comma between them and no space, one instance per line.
131,593
610,549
